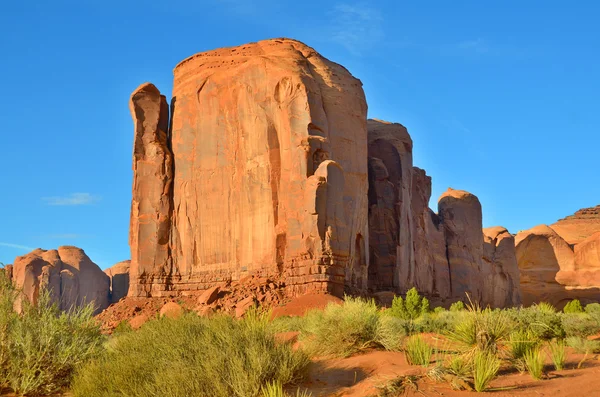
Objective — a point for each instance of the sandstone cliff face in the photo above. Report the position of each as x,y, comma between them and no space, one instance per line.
72,279
119,280
444,256
554,272
501,276
579,226
264,171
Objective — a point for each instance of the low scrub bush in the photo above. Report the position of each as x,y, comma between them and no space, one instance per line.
582,345
390,333
534,362
41,347
457,306
193,356
417,351
459,366
485,368
341,329
592,308
480,330
541,319
579,324
275,389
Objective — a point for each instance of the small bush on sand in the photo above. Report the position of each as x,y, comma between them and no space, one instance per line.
390,333
417,351
41,347
573,306
558,354
193,356
459,366
485,368
341,329
534,362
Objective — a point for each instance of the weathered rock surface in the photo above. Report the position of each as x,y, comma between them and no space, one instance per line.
72,279
461,217
409,245
501,277
264,171
119,280
551,271
579,226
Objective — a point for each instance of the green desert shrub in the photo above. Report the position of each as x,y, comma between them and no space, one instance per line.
390,333
41,347
341,329
542,319
558,354
592,308
573,306
582,345
193,356
485,368
534,362
287,323
459,365
417,351
410,308
579,324
457,306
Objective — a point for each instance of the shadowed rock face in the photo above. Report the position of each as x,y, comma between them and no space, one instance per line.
264,170
72,279
554,271
119,280
444,256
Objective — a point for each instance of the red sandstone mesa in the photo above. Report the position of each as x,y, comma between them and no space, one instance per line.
264,171
268,166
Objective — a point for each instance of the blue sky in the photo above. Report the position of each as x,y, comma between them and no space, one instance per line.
501,99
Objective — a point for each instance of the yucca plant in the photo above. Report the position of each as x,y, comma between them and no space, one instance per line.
459,366
485,368
417,351
534,361
522,341
558,354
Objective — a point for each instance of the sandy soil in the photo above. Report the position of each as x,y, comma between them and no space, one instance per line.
360,376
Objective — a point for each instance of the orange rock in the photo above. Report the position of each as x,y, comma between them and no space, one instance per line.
119,280
171,310
72,279
579,226
264,170
209,296
500,271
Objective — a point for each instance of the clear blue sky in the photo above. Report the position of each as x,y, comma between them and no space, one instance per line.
502,99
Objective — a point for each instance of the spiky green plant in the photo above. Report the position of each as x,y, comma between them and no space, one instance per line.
485,368
558,354
459,366
275,389
522,341
417,351
534,362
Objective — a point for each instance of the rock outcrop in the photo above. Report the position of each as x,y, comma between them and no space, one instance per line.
555,272
443,255
501,277
71,278
579,226
262,169
119,280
